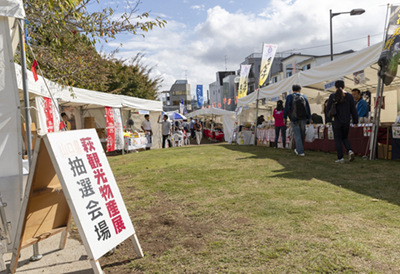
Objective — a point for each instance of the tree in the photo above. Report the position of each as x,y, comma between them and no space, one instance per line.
63,35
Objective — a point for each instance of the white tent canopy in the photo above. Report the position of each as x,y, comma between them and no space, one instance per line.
228,118
313,80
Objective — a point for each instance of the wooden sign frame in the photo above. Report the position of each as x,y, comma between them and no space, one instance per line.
46,211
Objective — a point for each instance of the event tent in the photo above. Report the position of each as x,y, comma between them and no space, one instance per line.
84,103
313,80
228,118
11,182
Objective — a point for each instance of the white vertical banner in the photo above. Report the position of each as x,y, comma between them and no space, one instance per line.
268,56
119,134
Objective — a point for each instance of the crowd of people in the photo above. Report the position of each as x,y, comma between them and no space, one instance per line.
181,131
340,109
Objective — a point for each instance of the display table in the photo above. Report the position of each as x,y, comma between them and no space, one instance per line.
132,143
246,137
217,135
358,137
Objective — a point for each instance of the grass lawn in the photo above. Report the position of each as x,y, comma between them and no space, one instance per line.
243,209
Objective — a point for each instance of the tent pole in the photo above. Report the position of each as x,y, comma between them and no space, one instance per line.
255,128
36,256
377,115
28,120
123,138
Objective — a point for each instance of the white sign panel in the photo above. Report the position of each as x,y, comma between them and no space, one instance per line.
90,189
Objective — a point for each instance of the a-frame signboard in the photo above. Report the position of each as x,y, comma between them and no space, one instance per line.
70,175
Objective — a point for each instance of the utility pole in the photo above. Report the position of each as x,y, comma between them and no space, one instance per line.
226,59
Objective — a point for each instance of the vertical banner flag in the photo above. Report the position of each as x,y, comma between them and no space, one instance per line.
224,100
33,69
266,62
389,59
110,129
118,128
181,107
199,94
48,111
243,84
229,101
219,105
213,105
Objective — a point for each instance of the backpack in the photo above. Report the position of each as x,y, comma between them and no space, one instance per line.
299,111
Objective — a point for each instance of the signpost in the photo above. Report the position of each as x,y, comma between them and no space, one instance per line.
71,175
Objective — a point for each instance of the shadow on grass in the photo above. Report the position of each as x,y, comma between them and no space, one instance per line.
378,179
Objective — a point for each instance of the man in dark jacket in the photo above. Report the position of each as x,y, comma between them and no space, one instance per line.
297,109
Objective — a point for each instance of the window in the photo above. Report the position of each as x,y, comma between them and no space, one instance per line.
275,79
179,92
289,70
307,67
168,103
176,103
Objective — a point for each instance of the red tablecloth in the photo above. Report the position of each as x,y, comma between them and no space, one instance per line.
358,141
216,135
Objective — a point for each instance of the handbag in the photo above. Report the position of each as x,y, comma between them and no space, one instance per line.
332,112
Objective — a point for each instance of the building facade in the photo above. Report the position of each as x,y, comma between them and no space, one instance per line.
216,89
179,91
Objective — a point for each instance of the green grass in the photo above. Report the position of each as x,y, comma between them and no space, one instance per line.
241,209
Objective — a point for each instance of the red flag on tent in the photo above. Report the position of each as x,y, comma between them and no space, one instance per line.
229,101
213,105
224,100
236,99
219,105
34,65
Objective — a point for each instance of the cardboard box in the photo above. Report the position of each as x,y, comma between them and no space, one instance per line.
382,151
89,122
33,132
101,132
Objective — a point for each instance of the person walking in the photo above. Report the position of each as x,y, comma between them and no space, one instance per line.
166,130
198,127
280,124
146,127
297,109
345,107
191,126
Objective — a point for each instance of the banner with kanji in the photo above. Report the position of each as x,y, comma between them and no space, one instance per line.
243,84
110,129
48,111
91,190
389,59
119,129
199,95
268,56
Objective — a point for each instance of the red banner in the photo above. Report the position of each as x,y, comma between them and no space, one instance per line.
209,106
219,105
224,100
48,111
229,101
236,99
110,129
213,105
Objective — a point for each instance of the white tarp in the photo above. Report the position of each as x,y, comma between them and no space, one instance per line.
228,118
12,8
313,80
10,131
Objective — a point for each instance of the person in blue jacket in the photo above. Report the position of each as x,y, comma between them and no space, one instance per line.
361,104
297,109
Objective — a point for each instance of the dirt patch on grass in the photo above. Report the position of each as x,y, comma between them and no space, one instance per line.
160,228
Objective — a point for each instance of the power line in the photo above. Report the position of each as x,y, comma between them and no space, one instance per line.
320,46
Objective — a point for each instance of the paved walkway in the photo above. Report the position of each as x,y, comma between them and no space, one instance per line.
71,260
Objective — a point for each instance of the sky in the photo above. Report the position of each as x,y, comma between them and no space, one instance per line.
202,37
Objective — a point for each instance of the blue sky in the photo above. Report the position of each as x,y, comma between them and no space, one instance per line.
199,34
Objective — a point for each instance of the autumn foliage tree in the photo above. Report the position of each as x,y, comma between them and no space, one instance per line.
63,34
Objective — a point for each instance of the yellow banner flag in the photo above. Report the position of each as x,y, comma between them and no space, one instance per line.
243,84
266,62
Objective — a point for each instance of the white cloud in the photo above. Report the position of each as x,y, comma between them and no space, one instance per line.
198,7
290,24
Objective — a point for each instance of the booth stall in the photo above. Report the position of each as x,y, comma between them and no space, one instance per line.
318,83
222,126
